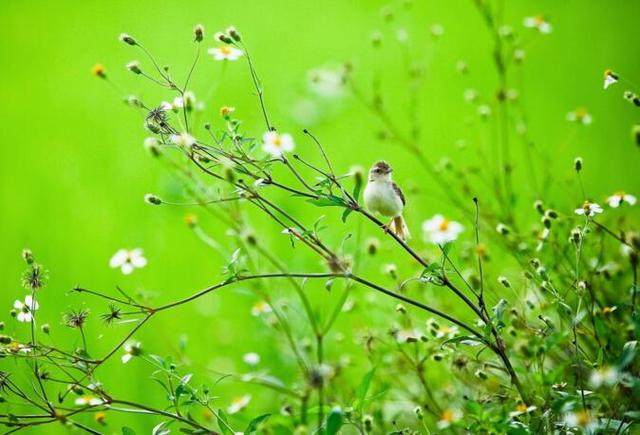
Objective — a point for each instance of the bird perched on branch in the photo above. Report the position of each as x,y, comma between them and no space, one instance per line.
384,196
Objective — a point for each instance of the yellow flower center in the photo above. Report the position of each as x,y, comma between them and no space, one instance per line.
277,141
583,418
448,415
225,50
538,19
521,407
444,225
581,112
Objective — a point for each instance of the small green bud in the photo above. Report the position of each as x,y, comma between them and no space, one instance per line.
45,328
27,256
134,67
127,39
504,282
5,339
152,199
198,33
577,164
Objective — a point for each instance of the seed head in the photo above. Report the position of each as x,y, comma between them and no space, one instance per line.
76,319
503,229
134,67
231,31
198,33
504,281
45,328
577,164
115,313
127,39
372,246
152,199
27,256
99,71
539,206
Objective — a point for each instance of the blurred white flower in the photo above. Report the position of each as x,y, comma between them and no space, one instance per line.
448,417
183,139
251,358
604,376
131,349
619,197
277,144
445,331
589,209
610,78
238,404
407,336
25,309
521,409
127,260
580,115
88,400
326,82
538,22
260,307
581,419
225,53
440,230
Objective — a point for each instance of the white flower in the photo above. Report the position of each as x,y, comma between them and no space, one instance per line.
610,78
446,331
589,209
603,376
440,230
183,139
131,349
538,22
251,358
619,197
277,144
521,409
127,260
25,309
225,53
581,419
407,336
15,347
151,142
88,400
238,404
326,82
580,115
448,417
260,307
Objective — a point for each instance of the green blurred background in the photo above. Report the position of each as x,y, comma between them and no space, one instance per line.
73,171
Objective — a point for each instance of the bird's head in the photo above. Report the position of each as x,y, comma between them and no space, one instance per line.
380,171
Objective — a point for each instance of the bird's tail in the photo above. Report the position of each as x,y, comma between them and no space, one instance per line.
399,227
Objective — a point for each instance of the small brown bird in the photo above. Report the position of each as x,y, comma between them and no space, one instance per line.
385,197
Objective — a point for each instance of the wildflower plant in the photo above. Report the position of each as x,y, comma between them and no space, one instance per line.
545,343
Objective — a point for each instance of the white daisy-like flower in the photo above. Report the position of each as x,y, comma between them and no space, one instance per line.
225,52
449,417
521,409
407,336
131,349
589,209
538,22
580,115
259,308
26,309
183,139
581,419
610,78
88,400
445,331
16,347
326,82
277,144
604,376
127,260
440,230
619,197
238,404
251,358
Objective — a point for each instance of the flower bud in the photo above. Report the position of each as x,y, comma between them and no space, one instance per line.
134,67
635,133
1,326
577,164
418,411
575,236
546,222
198,33
632,98
367,422
480,374
151,144
233,33
45,328
401,309
27,256
551,214
152,199
127,39
503,229
5,339
504,281
372,246
357,173
539,206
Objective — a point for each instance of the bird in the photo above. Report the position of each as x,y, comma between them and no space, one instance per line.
383,196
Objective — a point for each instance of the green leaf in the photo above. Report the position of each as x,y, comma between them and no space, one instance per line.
222,423
357,188
363,389
253,424
327,201
128,431
628,353
334,421
346,213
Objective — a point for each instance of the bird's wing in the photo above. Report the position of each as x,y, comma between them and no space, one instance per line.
397,190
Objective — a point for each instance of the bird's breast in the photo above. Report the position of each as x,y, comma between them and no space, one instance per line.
380,198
